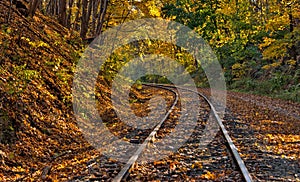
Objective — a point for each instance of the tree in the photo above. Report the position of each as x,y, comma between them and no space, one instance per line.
101,16
84,19
33,7
63,12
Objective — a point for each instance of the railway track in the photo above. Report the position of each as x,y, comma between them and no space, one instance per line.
227,153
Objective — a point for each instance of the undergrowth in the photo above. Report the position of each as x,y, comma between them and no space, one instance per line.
278,85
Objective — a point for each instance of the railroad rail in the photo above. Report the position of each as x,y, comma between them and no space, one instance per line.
134,158
233,149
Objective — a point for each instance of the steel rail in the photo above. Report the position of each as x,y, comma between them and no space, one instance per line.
245,173
136,155
233,149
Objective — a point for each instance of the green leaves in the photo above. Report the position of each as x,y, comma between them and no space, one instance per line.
248,41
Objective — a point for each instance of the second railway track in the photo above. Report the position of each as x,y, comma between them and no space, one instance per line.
219,160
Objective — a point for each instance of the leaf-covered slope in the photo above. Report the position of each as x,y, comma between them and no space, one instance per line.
38,132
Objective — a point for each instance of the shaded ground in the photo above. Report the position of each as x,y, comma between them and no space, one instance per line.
272,150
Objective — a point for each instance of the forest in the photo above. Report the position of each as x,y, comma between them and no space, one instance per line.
257,43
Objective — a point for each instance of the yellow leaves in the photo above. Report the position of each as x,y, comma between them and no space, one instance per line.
244,34
18,169
139,86
267,121
191,68
227,8
276,64
278,22
25,38
197,164
74,10
267,41
209,176
60,166
274,49
154,10
281,138
238,70
173,17
271,66
236,66
266,67
8,30
42,44
35,44
292,62
222,37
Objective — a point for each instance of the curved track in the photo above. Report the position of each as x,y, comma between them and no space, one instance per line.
134,158
236,156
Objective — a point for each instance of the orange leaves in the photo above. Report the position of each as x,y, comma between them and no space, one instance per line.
275,130
197,164
281,139
159,163
19,169
172,166
209,175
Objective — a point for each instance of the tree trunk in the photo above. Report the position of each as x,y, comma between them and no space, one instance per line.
62,12
33,7
102,13
84,20
95,15
75,23
68,21
9,12
89,12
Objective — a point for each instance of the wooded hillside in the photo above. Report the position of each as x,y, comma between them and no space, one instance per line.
257,42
